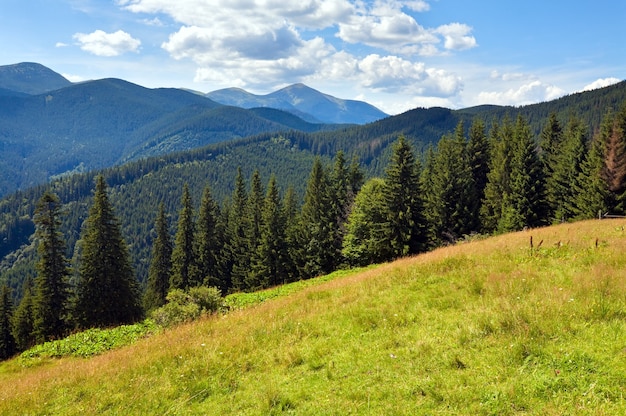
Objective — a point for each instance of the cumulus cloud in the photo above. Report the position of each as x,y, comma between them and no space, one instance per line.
601,83
101,43
532,92
457,36
264,43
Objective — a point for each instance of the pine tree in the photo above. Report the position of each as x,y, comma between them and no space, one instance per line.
7,342
159,272
183,273
107,292
51,295
209,241
23,328
406,228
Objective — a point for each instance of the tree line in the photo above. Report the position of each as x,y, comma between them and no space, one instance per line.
475,180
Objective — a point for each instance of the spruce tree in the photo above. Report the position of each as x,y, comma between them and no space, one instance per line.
591,190
51,295
478,153
238,227
498,184
316,234
208,242
23,318
270,265
7,342
406,228
183,273
551,143
254,212
160,264
614,171
524,205
107,291
364,242
448,189
292,221
566,166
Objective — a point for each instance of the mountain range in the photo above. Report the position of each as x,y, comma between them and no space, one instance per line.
52,127
305,102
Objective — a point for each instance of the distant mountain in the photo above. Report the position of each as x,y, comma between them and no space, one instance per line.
102,123
29,78
307,103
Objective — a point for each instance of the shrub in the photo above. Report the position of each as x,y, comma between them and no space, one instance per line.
184,306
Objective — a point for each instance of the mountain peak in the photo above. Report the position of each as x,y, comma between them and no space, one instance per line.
30,78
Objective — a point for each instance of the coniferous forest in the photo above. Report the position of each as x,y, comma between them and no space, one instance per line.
105,248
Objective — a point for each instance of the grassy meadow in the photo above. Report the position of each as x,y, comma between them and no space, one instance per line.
490,327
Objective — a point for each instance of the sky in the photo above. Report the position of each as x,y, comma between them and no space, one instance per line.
394,54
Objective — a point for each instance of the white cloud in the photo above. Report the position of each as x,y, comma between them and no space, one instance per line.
457,36
153,22
101,43
532,92
394,74
74,78
601,83
60,45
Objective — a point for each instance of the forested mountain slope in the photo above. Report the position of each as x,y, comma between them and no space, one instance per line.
103,123
137,187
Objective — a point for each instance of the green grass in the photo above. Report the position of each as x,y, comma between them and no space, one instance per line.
491,327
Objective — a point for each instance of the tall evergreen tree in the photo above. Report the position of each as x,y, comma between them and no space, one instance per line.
591,191
23,328
406,228
316,234
525,204
184,274
270,264
478,153
550,143
254,212
498,184
7,342
51,299
159,272
614,171
566,166
209,241
292,221
107,292
449,188
364,242
238,234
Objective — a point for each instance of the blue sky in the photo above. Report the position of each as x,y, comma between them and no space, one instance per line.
394,54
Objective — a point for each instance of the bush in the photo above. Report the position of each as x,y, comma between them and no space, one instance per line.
184,306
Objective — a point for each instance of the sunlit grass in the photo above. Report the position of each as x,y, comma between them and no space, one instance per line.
488,327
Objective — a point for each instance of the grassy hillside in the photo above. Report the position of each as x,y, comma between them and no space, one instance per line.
486,327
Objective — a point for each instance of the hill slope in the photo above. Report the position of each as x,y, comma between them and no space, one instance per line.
487,327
